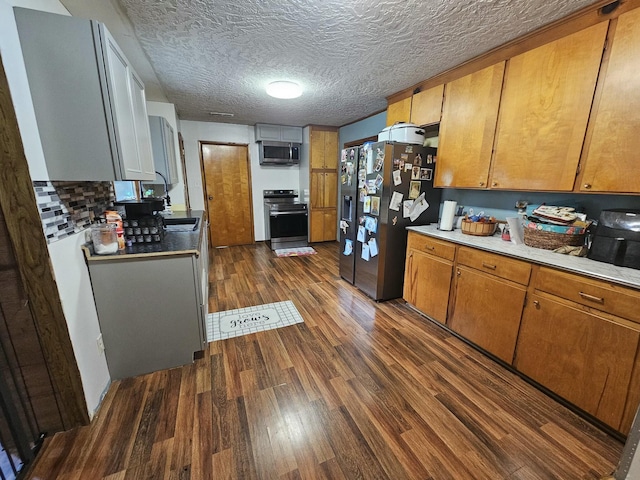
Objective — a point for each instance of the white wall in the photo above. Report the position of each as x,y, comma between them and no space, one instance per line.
168,111
69,268
262,178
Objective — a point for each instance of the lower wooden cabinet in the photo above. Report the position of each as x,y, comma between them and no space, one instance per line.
579,355
427,282
487,311
323,225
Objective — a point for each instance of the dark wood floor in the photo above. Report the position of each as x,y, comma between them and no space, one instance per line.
359,390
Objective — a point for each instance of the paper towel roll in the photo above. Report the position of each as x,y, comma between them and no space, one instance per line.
516,230
448,214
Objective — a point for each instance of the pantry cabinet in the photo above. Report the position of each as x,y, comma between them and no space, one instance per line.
468,129
323,225
323,183
426,106
324,150
399,111
428,275
544,111
89,103
613,143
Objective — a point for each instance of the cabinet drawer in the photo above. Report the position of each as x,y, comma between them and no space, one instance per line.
430,245
497,265
614,299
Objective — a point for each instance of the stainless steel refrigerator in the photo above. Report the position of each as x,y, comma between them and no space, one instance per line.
393,189
349,160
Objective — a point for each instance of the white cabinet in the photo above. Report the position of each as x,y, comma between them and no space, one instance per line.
164,149
89,103
278,133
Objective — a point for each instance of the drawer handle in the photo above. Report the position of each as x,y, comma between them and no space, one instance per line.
489,266
429,247
591,298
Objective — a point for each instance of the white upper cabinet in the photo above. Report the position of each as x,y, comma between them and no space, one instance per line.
88,101
164,149
278,133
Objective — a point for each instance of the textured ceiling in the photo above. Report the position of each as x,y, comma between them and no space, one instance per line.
218,55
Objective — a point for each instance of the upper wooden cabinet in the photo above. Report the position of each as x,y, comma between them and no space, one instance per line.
426,106
399,111
544,111
468,128
324,149
613,143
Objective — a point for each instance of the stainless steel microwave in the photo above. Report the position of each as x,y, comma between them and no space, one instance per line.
279,153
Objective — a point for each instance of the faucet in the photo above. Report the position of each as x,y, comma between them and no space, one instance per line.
166,189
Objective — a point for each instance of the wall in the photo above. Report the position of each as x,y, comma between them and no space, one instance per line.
368,127
168,111
261,177
70,270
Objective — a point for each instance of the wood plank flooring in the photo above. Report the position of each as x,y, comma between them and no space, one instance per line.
359,390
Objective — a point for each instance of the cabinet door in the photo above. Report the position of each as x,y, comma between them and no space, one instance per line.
142,134
611,163
316,190
316,226
267,132
487,312
582,357
291,134
316,160
399,111
331,150
172,164
468,128
544,111
330,190
427,281
330,225
426,106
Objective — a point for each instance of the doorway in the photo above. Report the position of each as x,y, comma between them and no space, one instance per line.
227,189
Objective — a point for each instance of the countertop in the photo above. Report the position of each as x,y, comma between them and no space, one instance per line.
581,265
173,243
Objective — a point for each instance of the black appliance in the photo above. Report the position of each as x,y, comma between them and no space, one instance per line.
617,238
285,219
394,189
349,160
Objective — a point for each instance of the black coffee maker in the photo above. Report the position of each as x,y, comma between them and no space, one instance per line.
617,238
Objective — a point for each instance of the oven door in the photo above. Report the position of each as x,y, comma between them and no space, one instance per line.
287,228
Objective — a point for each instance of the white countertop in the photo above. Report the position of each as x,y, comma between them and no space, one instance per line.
581,265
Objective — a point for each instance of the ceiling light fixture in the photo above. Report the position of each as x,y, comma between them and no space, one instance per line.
284,89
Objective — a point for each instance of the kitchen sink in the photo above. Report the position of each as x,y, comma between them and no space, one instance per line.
181,224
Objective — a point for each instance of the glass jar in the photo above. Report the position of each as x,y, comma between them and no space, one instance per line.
105,238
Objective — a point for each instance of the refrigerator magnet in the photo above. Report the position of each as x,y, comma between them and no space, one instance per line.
397,177
418,159
343,226
379,160
367,204
419,206
378,181
426,173
394,220
348,247
409,149
361,234
408,167
415,173
404,157
414,189
430,159
396,200
375,206
406,208
373,247
371,224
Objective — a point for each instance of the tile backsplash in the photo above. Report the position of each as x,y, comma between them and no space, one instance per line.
68,207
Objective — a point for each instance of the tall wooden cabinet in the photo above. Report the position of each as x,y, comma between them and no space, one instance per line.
612,144
544,111
323,183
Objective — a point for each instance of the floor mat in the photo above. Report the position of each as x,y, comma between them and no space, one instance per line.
295,252
233,323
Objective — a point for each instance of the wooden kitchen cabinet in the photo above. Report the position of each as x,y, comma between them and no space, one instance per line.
468,127
324,149
89,102
323,184
324,189
610,162
426,106
584,357
428,275
323,225
399,111
544,110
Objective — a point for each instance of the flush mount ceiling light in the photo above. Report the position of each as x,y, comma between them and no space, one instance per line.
284,89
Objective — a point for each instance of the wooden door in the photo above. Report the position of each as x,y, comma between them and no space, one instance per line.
227,181
544,110
487,311
582,357
399,111
468,128
611,163
427,282
426,106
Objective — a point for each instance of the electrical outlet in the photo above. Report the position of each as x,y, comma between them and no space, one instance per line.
100,344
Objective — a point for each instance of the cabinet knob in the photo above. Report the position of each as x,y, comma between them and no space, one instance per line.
481,184
587,185
536,304
494,184
210,197
458,272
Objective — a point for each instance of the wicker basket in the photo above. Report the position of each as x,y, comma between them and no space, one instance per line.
483,229
551,240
